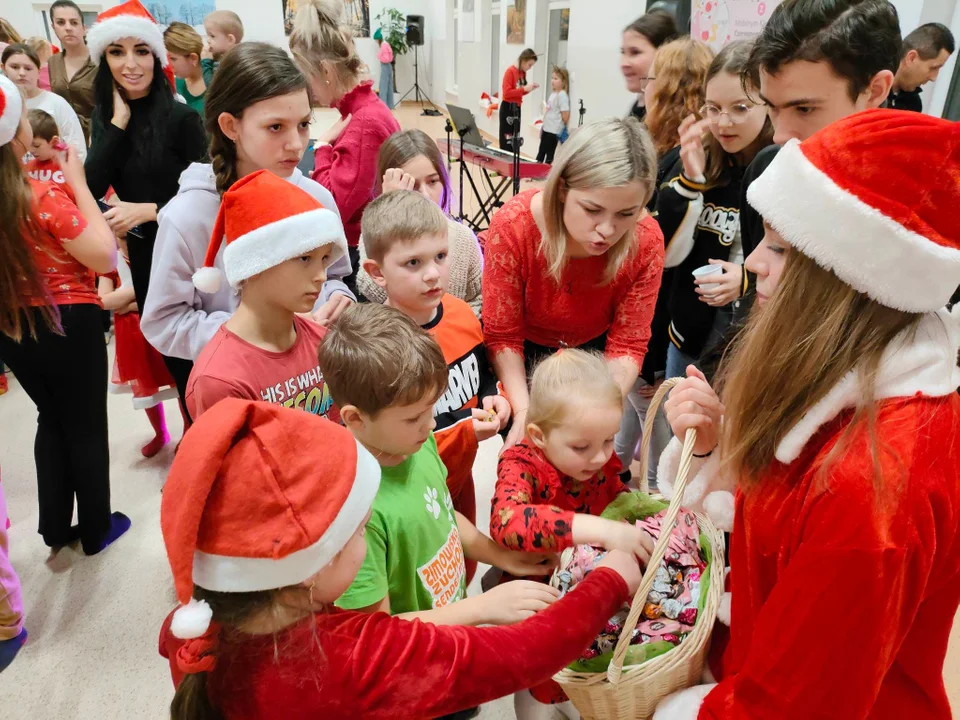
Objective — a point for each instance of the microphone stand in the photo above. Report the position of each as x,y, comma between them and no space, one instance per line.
583,111
449,129
514,122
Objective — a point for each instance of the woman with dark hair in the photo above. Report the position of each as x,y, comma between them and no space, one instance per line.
641,38
513,88
72,71
143,139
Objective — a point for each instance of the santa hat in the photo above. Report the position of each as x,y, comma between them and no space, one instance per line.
266,220
127,20
873,198
11,109
259,497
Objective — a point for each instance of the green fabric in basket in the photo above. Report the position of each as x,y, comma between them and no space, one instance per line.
630,507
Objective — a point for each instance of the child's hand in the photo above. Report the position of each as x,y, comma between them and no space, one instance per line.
525,564
397,179
331,309
501,406
516,601
485,424
629,539
625,566
72,167
691,147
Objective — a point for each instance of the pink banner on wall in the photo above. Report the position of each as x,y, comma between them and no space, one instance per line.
718,22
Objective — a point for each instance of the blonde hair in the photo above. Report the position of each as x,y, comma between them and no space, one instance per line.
374,357
41,46
608,153
396,217
182,39
320,36
227,22
567,381
680,79
788,358
564,76
8,33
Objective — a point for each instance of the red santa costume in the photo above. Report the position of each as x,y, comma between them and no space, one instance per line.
248,507
843,597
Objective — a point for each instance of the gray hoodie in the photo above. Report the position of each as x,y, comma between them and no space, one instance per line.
178,319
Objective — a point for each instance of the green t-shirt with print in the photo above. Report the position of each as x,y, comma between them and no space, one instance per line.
414,553
194,101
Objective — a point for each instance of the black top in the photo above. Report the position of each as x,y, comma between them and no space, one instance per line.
111,160
638,111
906,100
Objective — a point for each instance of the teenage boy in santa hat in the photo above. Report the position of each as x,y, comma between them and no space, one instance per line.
263,537
279,243
815,62
840,418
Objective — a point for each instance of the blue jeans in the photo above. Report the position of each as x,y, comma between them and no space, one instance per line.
677,362
386,84
626,443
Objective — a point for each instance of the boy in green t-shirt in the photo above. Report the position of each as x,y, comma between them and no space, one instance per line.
386,373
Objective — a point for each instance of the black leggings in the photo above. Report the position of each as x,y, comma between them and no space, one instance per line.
66,378
548,146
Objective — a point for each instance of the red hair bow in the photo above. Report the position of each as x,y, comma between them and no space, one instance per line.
200,654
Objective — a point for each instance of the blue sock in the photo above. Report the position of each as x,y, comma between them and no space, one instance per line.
10,648
119,524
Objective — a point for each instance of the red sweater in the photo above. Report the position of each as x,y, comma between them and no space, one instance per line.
348,167
514,81
353,665
533,504
843,599
522,302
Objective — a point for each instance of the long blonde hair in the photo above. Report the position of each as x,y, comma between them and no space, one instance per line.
320,36
607,153
812,332
680,79
568,380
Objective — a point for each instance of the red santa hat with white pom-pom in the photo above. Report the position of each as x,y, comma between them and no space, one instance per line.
245,509
129,20
265,220
11,109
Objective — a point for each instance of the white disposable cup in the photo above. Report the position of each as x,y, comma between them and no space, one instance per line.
707,271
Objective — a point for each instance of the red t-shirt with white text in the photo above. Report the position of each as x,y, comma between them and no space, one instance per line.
231,367
49,171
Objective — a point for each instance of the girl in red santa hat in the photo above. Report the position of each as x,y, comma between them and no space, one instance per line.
142,138
840,418
257,634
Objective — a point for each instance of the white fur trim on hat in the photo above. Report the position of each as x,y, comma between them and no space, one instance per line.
277,242
868,250
12,110
107,31
191,620
683,705
222,573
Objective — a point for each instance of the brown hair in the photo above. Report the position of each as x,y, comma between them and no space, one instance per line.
320,37
231,611
40,46
398,217
680,77
182,39
19,49
227,22
568,380
527,54
657,26
8,33
252,72
374,357
788,358
43,124
607,153
18,273
406,145
732,60
564,76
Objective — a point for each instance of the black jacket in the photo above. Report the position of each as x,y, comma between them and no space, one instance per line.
906,100
699,224
751,225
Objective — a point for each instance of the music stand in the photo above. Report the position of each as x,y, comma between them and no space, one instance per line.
466,126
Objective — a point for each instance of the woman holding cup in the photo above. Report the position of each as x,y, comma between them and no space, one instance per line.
699,209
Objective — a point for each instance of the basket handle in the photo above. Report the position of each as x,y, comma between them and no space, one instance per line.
615,670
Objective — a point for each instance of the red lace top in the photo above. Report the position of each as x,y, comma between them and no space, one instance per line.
534,504
522,302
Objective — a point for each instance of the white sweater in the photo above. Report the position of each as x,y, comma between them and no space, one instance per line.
68,124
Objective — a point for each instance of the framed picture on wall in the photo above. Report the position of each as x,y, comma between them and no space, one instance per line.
517,22
289,12
190,12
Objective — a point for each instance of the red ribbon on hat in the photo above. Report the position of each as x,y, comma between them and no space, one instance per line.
199,655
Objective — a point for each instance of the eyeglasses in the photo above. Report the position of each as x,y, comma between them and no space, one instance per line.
644,81
736,113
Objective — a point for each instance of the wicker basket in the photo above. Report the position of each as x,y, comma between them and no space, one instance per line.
633,692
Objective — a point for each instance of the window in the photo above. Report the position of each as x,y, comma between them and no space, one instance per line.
495,54
453,51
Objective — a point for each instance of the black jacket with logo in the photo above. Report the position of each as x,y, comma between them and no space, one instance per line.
699,224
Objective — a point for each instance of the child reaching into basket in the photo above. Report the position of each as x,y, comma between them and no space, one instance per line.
552,486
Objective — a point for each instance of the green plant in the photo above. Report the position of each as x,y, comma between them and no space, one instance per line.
393,26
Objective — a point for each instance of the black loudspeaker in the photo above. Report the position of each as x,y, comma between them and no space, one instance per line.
415,29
